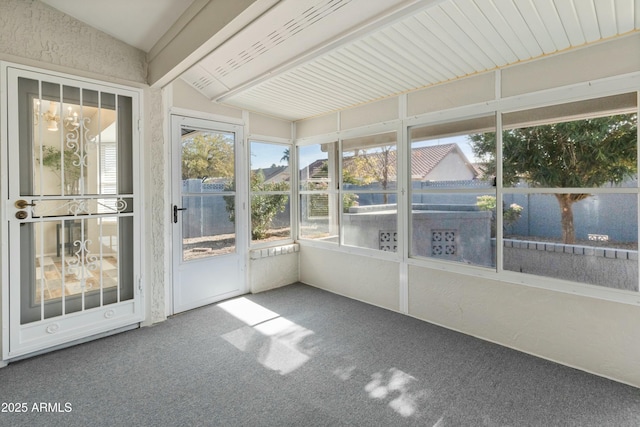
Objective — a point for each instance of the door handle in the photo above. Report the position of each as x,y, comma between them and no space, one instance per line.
21,204
175,213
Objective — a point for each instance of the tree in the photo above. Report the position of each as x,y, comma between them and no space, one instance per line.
285,156
576,154
207,155
264,207
375,166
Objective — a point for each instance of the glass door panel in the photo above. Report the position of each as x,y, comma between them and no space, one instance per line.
208,193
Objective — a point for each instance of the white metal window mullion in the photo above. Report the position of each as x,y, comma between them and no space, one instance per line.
499,196
117,187
638,168
81,254
40,222
81,143
99,191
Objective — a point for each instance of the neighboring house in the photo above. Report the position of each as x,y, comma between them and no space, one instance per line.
317,171
444,162
275,174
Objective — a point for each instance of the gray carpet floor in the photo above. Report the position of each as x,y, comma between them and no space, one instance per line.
299,356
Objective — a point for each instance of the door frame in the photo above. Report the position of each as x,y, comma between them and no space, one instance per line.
208,121
139,302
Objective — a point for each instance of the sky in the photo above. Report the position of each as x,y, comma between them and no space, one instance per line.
264,155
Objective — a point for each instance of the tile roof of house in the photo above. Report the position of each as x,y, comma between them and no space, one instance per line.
272,172
423,161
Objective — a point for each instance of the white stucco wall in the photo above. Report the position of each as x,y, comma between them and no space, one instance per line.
34,33
367,279
597,336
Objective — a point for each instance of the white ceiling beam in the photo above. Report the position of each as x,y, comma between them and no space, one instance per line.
202,28
397,13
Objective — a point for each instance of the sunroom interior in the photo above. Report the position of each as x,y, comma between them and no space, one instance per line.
380,155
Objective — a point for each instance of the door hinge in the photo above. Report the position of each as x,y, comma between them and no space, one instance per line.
140,285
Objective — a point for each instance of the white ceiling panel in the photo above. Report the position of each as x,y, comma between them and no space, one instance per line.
606,15
420,43
553,24
586,11
533,20
624,15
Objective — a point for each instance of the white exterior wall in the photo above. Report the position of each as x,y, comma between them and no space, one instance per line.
593,334
452,167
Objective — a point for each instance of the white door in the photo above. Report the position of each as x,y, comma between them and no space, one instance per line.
71,211
207,213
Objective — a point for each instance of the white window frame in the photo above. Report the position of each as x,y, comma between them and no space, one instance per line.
290,193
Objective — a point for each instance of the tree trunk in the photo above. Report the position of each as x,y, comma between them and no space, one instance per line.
566,209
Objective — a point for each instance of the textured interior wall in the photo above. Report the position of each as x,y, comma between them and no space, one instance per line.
269,126
273,271
590,334
184,96
467,91
612,58
33,31
370,114
317,125
363,278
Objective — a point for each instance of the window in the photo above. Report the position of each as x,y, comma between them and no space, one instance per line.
453,197
270,192
318,194
572,168
363,200
368,193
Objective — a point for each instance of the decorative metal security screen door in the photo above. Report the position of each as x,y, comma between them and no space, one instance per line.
71,210
208,264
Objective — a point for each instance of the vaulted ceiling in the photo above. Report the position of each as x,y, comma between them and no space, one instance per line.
308,57
303,58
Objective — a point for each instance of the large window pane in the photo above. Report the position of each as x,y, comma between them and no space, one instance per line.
317,164
318,194
370,162
270,187
604,251
371,224
270,217
368,194
453,195
316,219
454,227
564,152
584,227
